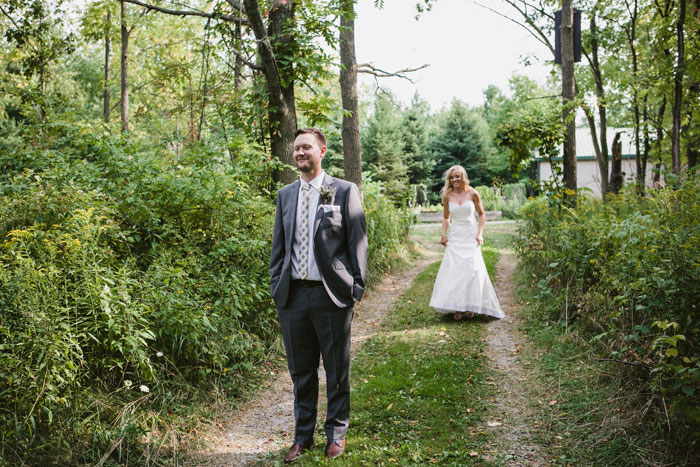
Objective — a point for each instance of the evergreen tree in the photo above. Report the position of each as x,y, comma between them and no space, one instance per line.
458,141
383,146
417,156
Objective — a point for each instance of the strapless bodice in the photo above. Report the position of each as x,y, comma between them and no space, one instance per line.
464,213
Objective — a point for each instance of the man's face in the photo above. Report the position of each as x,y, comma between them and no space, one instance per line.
308,153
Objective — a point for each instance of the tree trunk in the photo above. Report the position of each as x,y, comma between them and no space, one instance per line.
568,95
631,38
616,178
205,84
637,146
238,64
659,137
647,140
42,87
124,70
602,162
282,111
108,52
352,156
42,77
678,94
603,158
692,158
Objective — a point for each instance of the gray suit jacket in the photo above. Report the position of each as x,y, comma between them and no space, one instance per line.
339,242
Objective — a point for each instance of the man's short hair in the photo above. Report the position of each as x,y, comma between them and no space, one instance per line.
312,131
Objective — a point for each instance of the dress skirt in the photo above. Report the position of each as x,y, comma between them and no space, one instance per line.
462,283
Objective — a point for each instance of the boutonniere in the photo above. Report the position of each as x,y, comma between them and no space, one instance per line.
327,194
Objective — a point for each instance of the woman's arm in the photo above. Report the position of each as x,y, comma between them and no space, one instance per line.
445,221
482,218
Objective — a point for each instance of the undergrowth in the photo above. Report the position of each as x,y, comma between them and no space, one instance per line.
613,306
134,292
585,412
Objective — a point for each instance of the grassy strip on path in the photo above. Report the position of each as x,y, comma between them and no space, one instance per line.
419,388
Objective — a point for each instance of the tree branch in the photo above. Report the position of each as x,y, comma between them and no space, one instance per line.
533,29
553,96
242,57
202,14
19,28
370,69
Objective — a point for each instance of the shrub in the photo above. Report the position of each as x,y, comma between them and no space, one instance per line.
387,228
70,320
507,199
120,263
131,278
625,274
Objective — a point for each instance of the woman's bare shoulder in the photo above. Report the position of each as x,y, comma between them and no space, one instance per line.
473,194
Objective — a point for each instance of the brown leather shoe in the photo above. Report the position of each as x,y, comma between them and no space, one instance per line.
297,450
335,448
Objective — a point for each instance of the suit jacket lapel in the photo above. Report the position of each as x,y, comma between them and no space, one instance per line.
327,184
290,214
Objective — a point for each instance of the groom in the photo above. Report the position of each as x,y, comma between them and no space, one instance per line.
317,272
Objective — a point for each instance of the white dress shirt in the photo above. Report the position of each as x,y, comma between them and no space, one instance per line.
314,195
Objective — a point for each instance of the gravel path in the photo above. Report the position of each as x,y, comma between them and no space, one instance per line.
512,439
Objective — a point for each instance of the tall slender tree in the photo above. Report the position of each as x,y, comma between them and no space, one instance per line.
568,96
107,71
678,90
600,143
352,156
124,102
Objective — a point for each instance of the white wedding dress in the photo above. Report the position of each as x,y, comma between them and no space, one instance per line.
462,282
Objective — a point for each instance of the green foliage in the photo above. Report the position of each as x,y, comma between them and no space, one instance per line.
123,263
416,151
505,198
382,146
387,228
410,146
597,412
35,28
625,274
458,141
530,127
127,268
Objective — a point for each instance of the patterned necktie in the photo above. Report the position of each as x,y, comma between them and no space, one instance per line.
304,233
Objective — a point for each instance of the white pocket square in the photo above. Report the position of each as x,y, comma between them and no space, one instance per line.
329,207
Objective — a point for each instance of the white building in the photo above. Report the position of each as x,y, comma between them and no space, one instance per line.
587,173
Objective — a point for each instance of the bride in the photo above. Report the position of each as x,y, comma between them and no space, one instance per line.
463,285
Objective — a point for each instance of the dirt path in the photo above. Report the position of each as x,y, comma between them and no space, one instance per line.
512,443
266,424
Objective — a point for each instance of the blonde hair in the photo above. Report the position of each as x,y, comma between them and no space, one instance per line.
448,188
